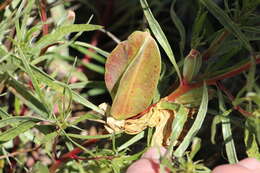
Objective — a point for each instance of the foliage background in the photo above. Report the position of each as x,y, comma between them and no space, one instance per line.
49,97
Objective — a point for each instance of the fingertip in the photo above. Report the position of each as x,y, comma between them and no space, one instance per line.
231,169
144,166
154,153
250,163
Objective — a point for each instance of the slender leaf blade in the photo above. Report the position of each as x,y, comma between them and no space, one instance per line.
225,20
177,126
131,141
63,31
56,85
226,131
160,36
18,119
227,135
4,114
15,131
196,125
178,24
29,99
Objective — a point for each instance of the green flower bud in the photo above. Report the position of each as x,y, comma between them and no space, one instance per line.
192,63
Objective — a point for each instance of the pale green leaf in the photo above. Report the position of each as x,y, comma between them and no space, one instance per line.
160,36
177,126
131,141
226,130
178,24
63,31
15,131
195,126
17,119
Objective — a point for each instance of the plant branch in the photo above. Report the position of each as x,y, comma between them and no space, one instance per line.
70,155
231,98
43,6
234,72
183,88
19,152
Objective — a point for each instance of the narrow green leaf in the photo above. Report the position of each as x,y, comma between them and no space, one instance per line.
177,126
215,122
30,33
195,147
86,117
26,16
15,131
18,119
224,19
227,135
195,126
131,141
90,53
34,80
4,114
94,67
177,22
56,85
78,145
96,91
100,51
251,29
29,99
252,148
88,84
253,125
226,130
198,29
78,98
63,31
160,36
49,137
89,137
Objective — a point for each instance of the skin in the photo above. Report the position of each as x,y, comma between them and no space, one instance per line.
149,163
248,165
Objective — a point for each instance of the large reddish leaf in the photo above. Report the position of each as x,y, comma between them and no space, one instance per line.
133,68
116,64
120,57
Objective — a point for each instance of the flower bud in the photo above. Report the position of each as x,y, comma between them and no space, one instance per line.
192,64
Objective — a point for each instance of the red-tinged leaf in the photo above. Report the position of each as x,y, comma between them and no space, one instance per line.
140,76
116,64
120,57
